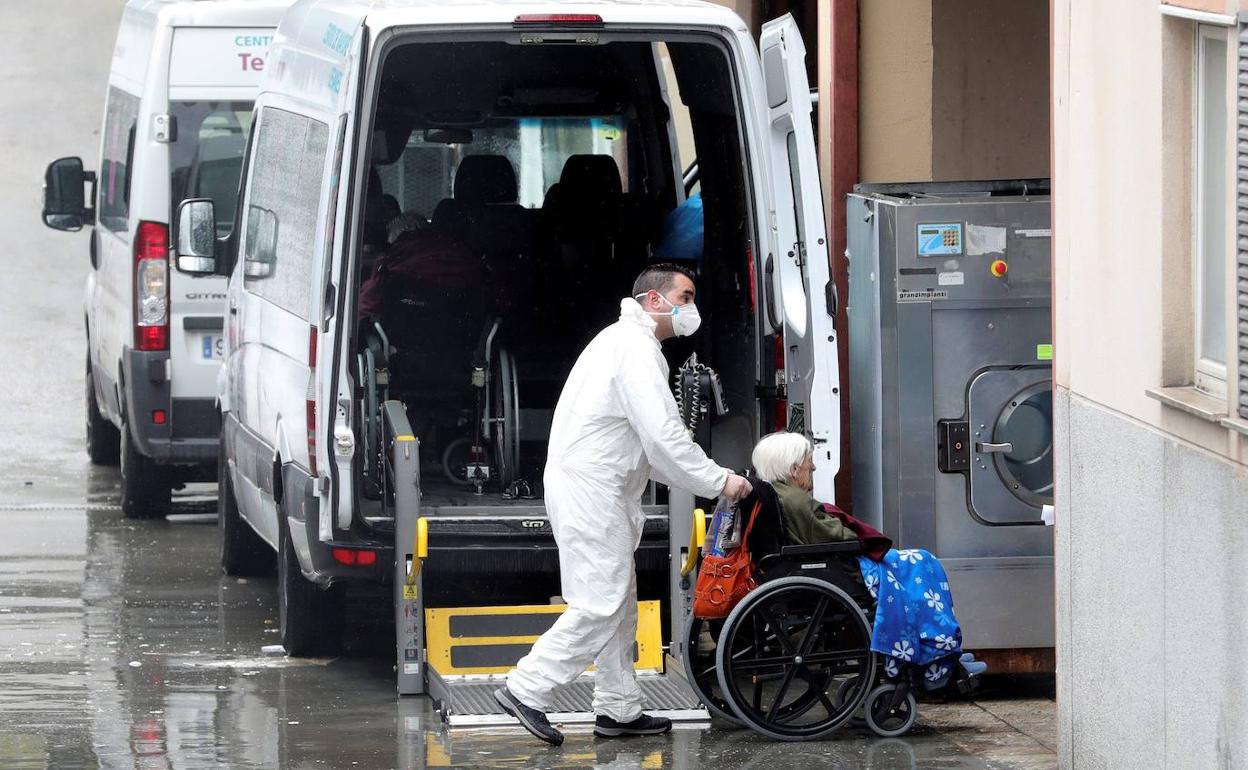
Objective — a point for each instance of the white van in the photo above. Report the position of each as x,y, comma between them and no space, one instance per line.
178,108
442,203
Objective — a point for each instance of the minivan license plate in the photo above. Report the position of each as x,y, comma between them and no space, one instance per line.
213,347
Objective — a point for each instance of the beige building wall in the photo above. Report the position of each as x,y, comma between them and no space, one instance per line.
1123,171
895,90
990,89
953,89
1107,241
1151,488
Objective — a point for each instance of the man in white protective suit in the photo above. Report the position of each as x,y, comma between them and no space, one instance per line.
615,428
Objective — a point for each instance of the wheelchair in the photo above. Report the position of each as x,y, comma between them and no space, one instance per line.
793,660
492,452
462,384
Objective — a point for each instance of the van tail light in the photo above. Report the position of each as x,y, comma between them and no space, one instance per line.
311,402
781,405
151,286
354,557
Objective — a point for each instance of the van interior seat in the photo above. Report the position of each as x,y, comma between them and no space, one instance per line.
602,234
480,181
485,216
585,211
483,180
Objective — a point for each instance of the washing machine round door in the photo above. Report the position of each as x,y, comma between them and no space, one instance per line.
1011,422
1026,424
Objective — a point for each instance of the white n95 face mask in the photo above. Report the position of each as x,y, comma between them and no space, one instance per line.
685,318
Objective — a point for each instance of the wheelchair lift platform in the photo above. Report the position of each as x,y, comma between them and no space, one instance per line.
469,702
460,655
470,649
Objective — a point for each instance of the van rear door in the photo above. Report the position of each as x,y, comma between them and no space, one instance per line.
802,290
323,63
214,73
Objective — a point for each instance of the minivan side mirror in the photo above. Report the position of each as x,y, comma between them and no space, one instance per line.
195,242
260,249
64,202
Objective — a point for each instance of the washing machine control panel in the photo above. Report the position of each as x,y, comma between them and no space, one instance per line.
992,249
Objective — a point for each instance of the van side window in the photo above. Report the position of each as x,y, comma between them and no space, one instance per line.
286,178
121,117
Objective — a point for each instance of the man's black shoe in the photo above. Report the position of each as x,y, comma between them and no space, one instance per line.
533,720
606,727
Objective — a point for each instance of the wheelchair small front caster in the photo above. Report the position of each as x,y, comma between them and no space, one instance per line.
888,714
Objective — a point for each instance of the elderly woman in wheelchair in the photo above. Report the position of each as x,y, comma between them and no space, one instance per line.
841,626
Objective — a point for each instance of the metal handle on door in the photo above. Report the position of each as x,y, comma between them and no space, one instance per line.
983,447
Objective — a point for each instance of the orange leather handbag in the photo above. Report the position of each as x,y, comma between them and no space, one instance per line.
725,580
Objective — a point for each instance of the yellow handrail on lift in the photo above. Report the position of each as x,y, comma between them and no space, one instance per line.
697,539
420,549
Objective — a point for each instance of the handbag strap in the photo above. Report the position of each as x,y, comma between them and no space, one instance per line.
745,539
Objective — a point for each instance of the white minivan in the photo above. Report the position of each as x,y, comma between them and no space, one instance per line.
178,108
441,204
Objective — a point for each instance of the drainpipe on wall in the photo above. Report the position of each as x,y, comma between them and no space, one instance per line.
838,173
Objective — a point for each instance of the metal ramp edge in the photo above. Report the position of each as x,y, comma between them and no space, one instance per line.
469,701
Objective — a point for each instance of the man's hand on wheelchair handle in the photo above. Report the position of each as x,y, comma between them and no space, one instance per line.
736,487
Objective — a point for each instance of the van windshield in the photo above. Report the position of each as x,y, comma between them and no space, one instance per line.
206,158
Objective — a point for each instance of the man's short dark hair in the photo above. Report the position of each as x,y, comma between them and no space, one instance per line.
660,277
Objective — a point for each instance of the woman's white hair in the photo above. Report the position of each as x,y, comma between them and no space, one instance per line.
778,455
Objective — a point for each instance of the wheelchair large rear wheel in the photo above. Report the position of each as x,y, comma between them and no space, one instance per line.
505,404
701,641
785,654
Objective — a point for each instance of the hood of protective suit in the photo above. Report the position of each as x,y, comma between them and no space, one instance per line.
632,311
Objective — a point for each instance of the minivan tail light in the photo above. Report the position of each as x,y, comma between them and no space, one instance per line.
311,402
560,19
151,286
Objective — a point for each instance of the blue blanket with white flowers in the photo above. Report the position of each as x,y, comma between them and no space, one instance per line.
914,620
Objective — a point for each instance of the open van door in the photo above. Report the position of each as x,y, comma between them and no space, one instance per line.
802,293
325,70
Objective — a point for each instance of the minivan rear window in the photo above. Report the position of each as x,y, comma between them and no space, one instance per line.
206,158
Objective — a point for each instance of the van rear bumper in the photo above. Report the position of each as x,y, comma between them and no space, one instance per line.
191,430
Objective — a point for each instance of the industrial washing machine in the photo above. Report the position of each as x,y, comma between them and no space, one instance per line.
951,395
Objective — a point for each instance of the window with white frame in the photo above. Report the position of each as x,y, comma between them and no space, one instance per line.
1213,163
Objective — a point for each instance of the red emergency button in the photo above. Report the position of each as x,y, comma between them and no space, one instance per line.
999,268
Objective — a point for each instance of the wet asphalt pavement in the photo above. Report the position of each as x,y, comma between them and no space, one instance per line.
122,645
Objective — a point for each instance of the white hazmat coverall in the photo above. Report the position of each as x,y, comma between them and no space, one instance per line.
616,427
